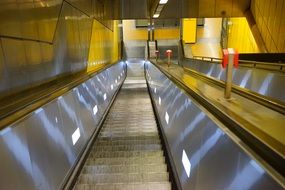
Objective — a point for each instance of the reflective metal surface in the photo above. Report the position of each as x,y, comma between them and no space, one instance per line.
264,82
164,45
135,49
29,19
41,40
39,151
205,157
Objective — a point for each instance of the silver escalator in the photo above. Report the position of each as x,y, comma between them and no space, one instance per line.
127,153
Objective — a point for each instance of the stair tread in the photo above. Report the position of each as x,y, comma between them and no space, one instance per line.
146,168
123,178
125,186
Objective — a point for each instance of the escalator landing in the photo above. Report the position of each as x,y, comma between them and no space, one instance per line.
127,153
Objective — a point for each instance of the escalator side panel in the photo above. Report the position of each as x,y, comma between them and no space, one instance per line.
261,81
205,157
39,151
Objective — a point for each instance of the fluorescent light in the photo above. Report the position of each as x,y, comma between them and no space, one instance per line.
116,81
159,101
95,110
163,1
75,136
166,117
112,87
155,15
186,163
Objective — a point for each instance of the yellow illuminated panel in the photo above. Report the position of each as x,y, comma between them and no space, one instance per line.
189,30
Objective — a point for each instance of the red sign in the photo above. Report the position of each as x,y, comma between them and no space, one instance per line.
168,53
225,58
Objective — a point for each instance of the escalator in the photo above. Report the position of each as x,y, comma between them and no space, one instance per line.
127,154
104,134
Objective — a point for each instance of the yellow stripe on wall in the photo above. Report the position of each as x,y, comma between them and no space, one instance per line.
166,33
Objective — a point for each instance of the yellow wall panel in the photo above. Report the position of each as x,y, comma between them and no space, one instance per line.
166,33
269,17
130,31
104,45
189,30
240,36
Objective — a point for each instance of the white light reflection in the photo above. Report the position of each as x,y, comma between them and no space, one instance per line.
75,136
95,109
253,170
266,84
166,117
105,96
245,78
186,163
159,101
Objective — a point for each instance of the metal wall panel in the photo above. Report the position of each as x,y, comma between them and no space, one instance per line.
135,48
205,157
39,151
24,18
83,5
28,63
131,9
264,82
16,167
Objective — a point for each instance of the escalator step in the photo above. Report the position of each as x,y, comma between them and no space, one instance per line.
136,168
124,186
123,178
127,142
127,153
117,154
125,161
129,147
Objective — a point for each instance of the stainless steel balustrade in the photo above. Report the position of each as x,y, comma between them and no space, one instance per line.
40,150
264,82
204,155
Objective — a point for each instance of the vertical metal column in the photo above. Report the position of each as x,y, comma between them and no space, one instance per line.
229,74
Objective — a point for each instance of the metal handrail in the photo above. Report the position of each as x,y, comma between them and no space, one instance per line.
14,112
254,64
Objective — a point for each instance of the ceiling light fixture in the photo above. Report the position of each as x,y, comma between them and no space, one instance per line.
155,15
163,2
